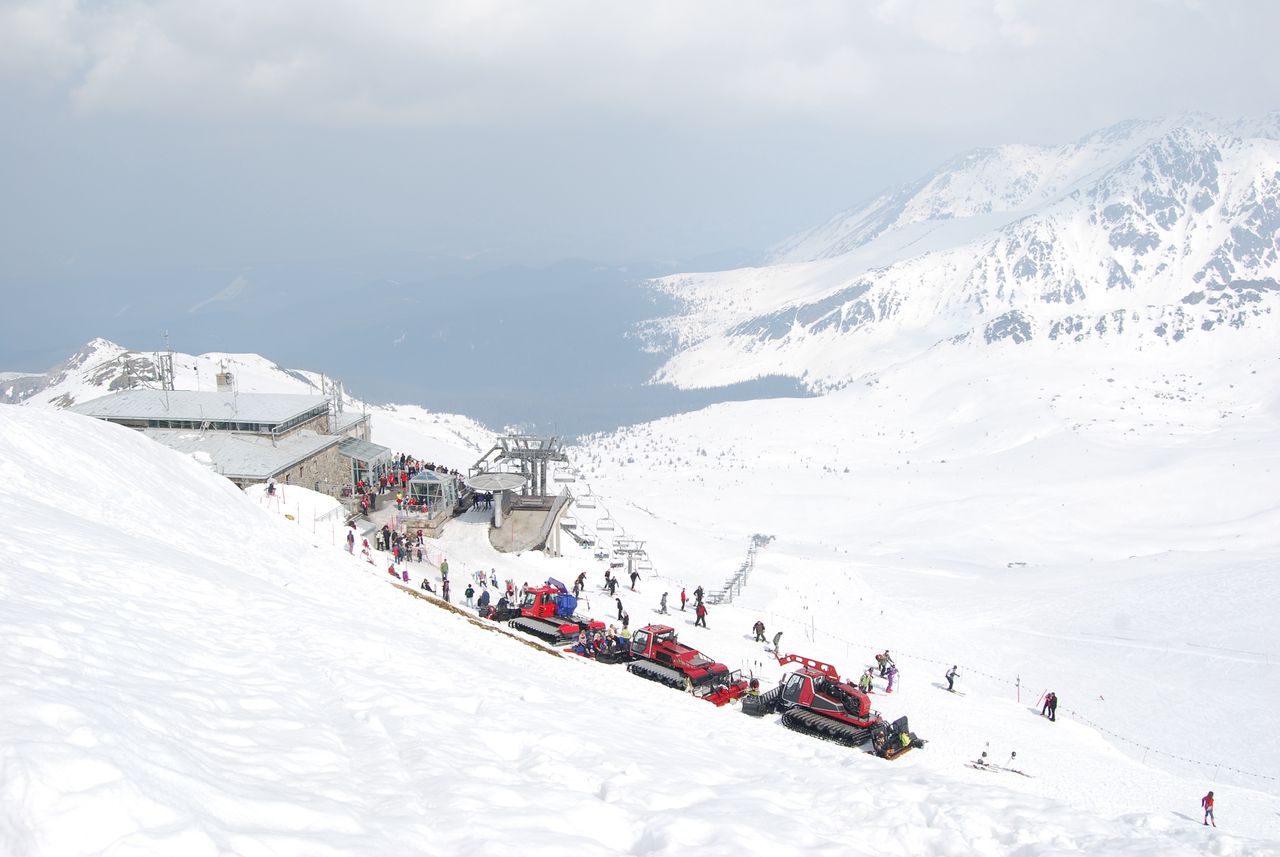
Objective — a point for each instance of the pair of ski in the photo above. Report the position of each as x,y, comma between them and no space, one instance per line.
981,764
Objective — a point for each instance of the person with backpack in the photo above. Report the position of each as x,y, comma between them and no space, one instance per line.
1207,803
484,599
701,612
951,679
469,593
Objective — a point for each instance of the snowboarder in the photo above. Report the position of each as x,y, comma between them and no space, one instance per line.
619,600
777,638
951,679
469,593
684,599
758,627
890,674
701,612
1207,803
662,607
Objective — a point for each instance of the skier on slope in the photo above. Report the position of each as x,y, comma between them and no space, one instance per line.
951,679
701,612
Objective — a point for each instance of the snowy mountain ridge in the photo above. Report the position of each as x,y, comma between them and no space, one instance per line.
1146,232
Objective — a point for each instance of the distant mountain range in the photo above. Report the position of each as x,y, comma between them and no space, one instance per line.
1144,232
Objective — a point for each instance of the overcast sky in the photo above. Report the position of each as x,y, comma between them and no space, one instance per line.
233,132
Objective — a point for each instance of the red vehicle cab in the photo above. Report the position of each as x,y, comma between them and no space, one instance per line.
658,656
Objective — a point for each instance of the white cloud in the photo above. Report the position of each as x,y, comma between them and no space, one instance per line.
397,61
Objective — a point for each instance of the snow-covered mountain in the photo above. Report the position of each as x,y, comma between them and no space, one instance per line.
102,366
1145,232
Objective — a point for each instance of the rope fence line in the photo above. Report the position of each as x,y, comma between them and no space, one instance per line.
812,631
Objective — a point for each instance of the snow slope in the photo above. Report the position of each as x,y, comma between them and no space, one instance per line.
185,674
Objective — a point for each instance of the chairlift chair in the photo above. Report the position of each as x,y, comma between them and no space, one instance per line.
569,522
605,524
586,501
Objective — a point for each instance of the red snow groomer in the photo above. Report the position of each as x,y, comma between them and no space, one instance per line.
657,655
815,700
547,612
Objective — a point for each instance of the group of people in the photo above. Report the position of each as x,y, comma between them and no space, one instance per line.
1049,708
611,641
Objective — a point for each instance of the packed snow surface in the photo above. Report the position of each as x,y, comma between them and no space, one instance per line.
185,671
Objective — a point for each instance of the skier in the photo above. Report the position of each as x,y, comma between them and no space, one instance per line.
701,611
619,600
469,593
1207,803
864,683
951,679
684,599
662,608
758,627
890,674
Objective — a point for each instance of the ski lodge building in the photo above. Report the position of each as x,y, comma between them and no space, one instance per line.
254,437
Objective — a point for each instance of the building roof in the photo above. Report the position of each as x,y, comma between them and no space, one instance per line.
431,476
363,450
188,405
243,456
347,419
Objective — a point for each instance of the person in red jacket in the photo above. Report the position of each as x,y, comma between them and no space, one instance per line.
1207,803
701,612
